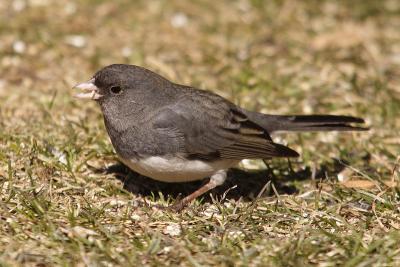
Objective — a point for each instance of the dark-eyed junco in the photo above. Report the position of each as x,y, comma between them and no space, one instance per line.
176,133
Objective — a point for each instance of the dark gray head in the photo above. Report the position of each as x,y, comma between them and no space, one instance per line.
126,92
116,82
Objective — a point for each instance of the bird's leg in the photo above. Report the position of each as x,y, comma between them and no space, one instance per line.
215,180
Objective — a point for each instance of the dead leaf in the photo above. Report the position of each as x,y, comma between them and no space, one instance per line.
366,184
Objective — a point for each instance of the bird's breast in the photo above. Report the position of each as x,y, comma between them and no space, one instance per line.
176,169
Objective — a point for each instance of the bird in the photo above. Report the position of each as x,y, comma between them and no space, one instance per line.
177,133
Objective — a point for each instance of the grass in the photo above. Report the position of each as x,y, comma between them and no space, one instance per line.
65,202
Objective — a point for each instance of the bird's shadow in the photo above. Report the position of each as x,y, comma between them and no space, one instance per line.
239,184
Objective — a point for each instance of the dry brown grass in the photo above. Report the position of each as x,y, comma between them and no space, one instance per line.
59,208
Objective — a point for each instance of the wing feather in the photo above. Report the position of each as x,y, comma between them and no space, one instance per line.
221,132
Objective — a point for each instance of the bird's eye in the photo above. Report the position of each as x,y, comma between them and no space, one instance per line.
116,90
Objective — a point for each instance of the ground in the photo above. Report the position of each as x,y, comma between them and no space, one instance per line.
65,200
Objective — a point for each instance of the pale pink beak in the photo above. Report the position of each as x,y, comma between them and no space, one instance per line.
91,88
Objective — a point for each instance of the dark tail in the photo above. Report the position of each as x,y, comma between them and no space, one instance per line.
305,123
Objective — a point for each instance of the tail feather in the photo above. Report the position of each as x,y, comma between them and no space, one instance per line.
305,123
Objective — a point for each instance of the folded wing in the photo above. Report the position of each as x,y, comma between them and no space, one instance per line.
222,132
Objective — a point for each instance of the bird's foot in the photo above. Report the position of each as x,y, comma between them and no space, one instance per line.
178,206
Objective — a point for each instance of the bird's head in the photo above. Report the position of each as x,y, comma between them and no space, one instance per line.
113,82
123,90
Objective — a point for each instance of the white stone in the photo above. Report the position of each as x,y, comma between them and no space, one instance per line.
179,20
173,229
19,47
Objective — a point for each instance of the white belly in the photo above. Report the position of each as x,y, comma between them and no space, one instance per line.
175,169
